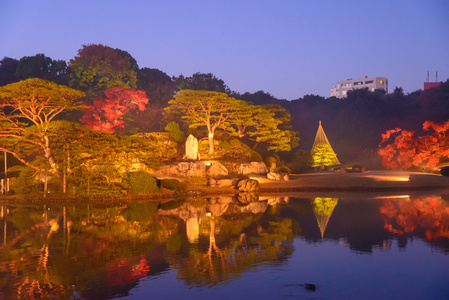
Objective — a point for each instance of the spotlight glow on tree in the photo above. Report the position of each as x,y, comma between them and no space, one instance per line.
322,152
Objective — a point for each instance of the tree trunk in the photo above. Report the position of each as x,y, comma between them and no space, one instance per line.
211,143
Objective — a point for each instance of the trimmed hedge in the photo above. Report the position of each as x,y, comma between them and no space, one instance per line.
141,183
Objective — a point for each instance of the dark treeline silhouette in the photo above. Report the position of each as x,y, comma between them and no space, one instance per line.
353,125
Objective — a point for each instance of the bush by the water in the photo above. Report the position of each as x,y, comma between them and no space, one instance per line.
140,183
444,171
172,185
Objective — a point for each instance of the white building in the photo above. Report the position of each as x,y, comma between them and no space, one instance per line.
341,89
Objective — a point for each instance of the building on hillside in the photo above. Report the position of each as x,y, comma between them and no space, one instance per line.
340,90
429,85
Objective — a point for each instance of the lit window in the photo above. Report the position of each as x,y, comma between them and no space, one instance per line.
380,82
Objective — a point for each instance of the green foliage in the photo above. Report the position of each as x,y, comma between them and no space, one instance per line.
140,183
140,212
302,160
160,145
175,131
197,180
172,184
233,149
95,186
324,206
98,67
255,156
323,155
25,182
283,170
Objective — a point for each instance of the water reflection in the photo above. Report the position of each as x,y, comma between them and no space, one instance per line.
105,251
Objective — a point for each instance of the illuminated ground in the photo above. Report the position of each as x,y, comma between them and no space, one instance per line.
370,180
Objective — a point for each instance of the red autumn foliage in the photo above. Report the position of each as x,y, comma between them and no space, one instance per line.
123,271
107,112
405,216
406,150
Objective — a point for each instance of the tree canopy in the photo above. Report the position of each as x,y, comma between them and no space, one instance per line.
107,113
208,109
26,110
401,149
98,67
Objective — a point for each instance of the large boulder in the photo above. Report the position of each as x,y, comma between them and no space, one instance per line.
253,168
197,169
278,176
248,185
216,170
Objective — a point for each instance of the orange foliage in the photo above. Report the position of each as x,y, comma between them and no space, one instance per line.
406,151
405,216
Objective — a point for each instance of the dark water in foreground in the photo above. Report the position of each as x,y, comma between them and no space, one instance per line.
225,248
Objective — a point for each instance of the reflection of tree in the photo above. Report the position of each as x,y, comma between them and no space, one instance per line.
323,208
95,247
406,216
225,256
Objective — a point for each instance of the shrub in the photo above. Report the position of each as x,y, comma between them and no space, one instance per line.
140,183
172,185
255,156
176,133
25,182
198,180
444,171
283,170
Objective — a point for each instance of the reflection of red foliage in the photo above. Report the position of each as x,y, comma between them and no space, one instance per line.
406,150
107,113
123,271
404,216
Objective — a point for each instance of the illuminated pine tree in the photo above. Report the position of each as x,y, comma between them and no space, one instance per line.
322,152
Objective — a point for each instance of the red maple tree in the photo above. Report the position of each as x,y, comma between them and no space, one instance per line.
405,150
106,113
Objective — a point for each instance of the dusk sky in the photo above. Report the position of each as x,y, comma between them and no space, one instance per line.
286,48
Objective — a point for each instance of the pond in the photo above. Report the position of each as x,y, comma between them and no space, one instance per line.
282,247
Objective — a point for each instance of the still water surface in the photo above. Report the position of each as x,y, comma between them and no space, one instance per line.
226,248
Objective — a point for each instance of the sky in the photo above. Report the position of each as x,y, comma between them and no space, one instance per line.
286,48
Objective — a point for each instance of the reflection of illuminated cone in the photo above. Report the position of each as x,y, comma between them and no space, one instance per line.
323,209
193,229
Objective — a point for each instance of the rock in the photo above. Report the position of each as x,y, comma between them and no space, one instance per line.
278,176
197,169
253,168
212,182
226,182
216,170
248,185
192,147
184,167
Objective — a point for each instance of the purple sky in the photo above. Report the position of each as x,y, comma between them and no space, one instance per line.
286,48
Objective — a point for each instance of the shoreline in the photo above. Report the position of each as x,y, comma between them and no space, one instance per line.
373,183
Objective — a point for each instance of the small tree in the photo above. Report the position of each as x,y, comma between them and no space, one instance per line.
323,155
204,108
